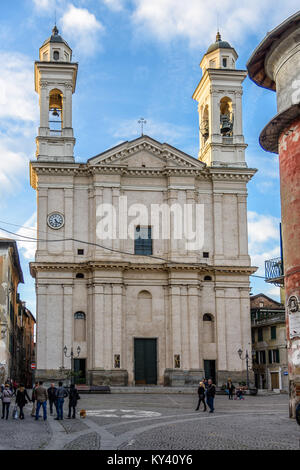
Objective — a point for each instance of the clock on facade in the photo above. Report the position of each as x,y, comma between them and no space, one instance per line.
55,220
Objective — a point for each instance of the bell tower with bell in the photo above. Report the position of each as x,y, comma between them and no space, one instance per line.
55,82
219,97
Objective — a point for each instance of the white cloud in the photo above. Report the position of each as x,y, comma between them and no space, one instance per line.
83,26
264,238
162,131
197,20
12,165
29,229
17,97
115,5
262,228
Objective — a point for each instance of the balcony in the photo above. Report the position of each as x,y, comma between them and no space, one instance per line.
274,272
265,317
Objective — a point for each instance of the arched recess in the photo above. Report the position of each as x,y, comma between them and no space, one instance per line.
55,111
144,306
208,328
226,116
204,126
79,326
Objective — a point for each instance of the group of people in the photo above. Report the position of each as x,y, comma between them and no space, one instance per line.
40,396
230,390
206,394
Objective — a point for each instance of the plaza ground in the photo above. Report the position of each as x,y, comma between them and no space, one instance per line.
159,422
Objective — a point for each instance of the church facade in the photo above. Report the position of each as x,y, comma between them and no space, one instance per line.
137,306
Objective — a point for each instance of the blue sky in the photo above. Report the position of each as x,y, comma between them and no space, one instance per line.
137,58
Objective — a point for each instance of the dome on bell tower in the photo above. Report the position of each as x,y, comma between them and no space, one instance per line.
55,49
218,44
219,55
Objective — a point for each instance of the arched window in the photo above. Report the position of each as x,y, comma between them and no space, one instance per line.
226,117
80,326
207,278
208,328
79,276
55,112
144,306
204,126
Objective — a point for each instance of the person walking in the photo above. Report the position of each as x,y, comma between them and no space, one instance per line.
230,388
33,399
52,398
61,394
73,398
210,395
21,399
201,394
41,398
6,400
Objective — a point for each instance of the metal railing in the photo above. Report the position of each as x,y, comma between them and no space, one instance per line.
274,271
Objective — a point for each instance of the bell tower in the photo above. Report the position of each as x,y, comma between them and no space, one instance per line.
55,82
219,97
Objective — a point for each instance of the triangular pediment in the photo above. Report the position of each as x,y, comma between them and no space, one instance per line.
146,152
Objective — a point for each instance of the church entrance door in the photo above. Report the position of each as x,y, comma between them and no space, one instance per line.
145,361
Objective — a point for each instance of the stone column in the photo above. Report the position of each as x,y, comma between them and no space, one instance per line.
108,312
67,110
98,326
242,224
42,227
115,199
218,225
117,320
176,323
193,312
185,328
173,246
221,330
69,218
41,333
44,108
68,324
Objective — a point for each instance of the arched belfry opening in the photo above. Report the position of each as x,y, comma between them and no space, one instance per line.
55,111
226,117
204,125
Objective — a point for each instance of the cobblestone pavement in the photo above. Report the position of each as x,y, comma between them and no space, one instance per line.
159,422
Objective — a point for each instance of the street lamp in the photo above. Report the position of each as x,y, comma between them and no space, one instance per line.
71,355
240,353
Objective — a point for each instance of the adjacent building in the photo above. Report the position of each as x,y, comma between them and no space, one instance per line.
275,65
16,321
138,305
269,351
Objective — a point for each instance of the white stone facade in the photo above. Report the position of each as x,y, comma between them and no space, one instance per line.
125,296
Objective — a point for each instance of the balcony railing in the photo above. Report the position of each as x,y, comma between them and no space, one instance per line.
274,271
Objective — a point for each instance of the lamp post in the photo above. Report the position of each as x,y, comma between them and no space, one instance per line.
71,355
240,353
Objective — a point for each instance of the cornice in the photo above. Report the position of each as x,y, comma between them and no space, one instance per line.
91,266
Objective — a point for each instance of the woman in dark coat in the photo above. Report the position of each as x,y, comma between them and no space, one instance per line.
21,399
201,394
73,398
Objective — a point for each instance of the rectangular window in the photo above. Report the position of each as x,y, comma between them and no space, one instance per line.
276,357
224,62
270,356
262,357
273,332
253,335
260,334
143,241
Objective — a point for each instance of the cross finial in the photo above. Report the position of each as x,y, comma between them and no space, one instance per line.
142,121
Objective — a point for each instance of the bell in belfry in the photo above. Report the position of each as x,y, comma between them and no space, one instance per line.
225,124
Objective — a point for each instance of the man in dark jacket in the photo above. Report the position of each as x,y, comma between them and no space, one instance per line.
73,398
210,395
52,397
41,398
61,394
